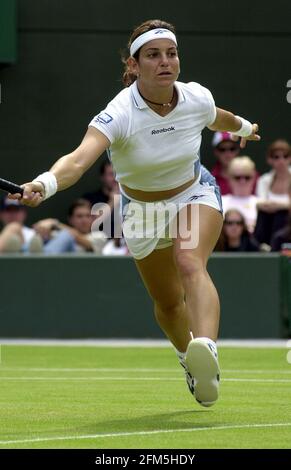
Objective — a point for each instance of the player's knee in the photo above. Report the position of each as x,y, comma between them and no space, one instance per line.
189,265
169,308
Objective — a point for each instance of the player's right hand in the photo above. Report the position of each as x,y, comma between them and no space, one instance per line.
33,194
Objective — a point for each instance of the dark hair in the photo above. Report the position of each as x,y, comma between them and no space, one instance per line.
103,166
286,230
128,77
76,204
279,144
237,212
222,242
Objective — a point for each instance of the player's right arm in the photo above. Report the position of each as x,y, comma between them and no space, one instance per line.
69,168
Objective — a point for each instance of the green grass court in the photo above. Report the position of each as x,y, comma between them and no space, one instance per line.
129,397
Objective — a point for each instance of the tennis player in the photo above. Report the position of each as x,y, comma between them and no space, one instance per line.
152,130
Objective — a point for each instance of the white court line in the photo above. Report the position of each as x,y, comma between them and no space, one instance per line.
111,379
146,433
258,380
94,369
99,343
257,371
137,369
144,343
134,379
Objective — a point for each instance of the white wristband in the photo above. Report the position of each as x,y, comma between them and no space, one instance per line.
246,128
49,182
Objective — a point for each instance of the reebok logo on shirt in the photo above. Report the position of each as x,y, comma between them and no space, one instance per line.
164,129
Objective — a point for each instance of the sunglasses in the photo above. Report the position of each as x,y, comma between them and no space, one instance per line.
226,149
242,177
278,157
233,222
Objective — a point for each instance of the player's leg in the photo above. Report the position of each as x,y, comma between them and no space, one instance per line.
202,303
163,283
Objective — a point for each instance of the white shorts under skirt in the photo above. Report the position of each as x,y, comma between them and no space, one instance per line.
145,227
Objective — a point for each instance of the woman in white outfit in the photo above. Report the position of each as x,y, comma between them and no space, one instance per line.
273,192
152,129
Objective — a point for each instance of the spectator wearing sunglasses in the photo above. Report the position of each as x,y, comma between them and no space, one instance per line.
235,235
225,150
242,174
272,191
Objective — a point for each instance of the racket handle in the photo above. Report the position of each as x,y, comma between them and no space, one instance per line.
10,187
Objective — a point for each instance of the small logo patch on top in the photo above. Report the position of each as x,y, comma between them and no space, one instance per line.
104,118
196,196
161,31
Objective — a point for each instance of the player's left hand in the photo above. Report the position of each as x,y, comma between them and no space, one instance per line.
253,136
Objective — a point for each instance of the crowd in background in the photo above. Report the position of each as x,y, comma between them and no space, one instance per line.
257,209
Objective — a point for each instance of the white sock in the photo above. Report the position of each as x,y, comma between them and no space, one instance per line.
181,355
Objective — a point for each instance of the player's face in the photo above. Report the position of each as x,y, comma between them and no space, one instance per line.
158,63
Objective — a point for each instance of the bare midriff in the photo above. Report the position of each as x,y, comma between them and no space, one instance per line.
151,196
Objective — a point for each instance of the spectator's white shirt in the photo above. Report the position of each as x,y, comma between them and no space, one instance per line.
27,234
246,205
111,249
152,152
263,188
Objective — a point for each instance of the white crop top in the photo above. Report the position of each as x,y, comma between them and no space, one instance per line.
150,152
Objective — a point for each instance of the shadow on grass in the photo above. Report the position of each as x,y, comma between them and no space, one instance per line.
187,419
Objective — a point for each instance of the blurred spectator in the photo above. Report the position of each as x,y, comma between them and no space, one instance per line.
108,184
282,238
225,150
15,236
272,191
115,247
235,235
242,173
75,237
108,189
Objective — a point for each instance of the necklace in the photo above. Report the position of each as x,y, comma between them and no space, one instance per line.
159,104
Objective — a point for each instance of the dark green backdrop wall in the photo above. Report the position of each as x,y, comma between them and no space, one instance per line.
101,297
68,68
7,31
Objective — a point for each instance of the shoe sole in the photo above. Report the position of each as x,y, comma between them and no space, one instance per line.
203,366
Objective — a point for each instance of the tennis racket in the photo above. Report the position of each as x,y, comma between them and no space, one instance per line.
10,187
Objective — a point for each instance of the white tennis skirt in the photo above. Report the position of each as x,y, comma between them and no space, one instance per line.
148,226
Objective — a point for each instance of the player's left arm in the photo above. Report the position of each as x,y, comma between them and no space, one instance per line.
239,127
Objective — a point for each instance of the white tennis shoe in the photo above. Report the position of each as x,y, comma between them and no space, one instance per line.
189,378
202,371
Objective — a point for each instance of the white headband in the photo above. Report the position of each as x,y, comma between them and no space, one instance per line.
158,33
